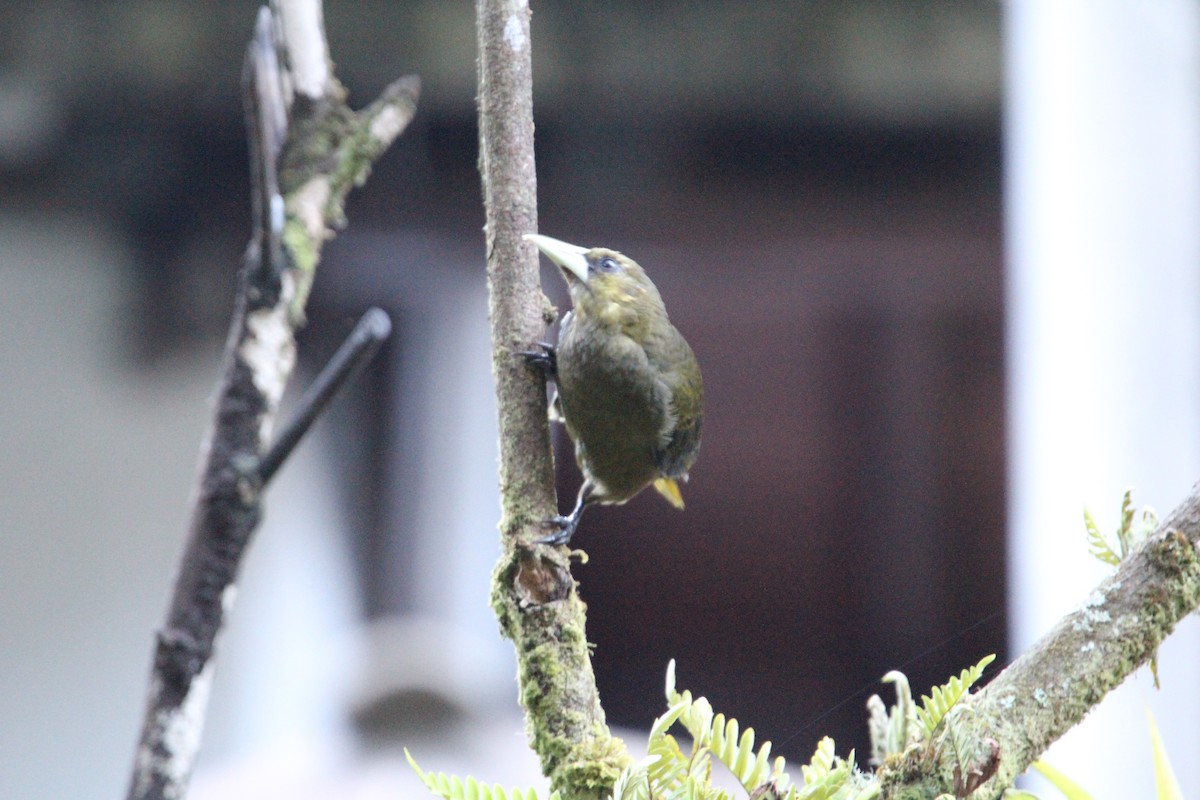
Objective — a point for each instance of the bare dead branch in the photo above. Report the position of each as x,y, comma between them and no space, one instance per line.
307,152
352,356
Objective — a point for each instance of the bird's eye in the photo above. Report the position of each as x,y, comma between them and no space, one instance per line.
607,264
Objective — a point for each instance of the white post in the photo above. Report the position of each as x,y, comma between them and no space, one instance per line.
1103,216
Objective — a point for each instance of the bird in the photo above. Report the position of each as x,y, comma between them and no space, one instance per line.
628,387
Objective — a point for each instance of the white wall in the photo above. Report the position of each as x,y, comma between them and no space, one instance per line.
1103,215
97,466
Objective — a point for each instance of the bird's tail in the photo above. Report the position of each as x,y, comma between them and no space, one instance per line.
669,489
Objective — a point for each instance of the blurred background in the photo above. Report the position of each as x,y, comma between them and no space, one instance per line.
937,259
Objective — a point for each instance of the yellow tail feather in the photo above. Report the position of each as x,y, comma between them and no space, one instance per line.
669,489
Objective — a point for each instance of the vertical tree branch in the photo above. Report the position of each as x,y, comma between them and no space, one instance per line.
305,157
301,23
533,593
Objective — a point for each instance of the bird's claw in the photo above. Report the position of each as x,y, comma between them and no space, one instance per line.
566,529
545,359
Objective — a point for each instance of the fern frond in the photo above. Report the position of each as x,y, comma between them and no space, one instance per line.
1129,532
1129,535
452,787
676,776
669,768
695,789
821,763
879,729
714,734
664,722
696,715
831,778
673,696
634,782
1098,545
698,720
1125,532
942,698
736,752
892,731
831,787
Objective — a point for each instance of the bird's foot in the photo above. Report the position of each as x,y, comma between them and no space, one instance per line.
545,359
566,529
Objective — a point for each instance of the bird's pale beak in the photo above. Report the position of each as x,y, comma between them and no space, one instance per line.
568,256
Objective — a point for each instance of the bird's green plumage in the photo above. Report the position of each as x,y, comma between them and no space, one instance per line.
629,388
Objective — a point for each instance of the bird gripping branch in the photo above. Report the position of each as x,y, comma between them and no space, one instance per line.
629,389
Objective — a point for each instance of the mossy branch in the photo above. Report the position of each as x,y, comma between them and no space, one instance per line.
533,593
308,150
997,733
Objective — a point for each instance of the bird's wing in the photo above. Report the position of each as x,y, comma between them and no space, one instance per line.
679,438
677,454
555,410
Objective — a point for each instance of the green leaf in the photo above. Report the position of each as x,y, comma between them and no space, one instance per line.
1125,532
1164,777
1129,533
1070,789
634,783
942,698
892,731
1098,546
821,763
713,736
452,787
1128,537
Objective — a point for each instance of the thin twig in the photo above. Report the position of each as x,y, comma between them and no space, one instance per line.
265,108
352,356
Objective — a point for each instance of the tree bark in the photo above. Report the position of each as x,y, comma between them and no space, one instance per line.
533,593
1048,690
308,150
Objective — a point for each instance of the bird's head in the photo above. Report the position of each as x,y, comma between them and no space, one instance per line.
604,284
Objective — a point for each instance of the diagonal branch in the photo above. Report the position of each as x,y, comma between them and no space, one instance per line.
307,152
359,347
1049,689
533,593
